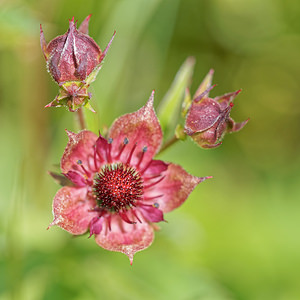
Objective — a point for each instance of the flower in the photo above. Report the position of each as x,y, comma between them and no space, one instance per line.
119,190
73,60
208,119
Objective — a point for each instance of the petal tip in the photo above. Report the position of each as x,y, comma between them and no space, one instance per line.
71,135
151,99
53,223
130,259
108,46
43,42
84,26
201,179
191,60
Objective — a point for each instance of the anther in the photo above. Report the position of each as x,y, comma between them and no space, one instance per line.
156,205
144,150
108,152
86,172
125,142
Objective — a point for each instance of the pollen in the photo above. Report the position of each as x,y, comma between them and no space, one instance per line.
117,187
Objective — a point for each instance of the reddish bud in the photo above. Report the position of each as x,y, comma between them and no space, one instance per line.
209,119
73,60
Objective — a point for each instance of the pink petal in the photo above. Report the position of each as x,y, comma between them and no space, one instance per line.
124,237
151,213
175,188
61,60
225,99
202,115
96,225
71,210
155,167
88,54
102,149
76,178
142,129
84,26
236,126
125,217
108,46
61,179
74,55
43,43
205,84
80,148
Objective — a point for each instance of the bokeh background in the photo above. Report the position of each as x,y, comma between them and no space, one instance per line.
237,236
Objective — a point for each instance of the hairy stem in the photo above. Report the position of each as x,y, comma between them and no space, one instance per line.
81,119
169,143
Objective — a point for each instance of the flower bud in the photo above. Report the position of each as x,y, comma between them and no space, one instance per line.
208,119
73,60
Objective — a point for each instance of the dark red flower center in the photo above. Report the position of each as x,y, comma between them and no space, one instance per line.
117,187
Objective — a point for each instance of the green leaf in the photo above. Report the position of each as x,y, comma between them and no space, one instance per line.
168,111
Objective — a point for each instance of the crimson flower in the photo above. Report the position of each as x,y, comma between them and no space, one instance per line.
118,189
73,60
208,119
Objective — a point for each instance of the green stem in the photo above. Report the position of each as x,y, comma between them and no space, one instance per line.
169,143
81,119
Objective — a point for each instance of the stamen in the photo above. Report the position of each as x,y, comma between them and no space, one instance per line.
108,152
101,158
125,142
86,172
144,150
108,219
151,177
130,154
136,216
146,167
95,159
154,183
156,205
152,198
125,218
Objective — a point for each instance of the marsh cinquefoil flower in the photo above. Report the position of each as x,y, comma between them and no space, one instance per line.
118,190
73,60
208,119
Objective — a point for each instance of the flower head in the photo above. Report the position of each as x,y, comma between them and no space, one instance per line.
73,60
209,119
119,190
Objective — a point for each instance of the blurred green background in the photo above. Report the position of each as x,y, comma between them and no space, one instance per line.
237,236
